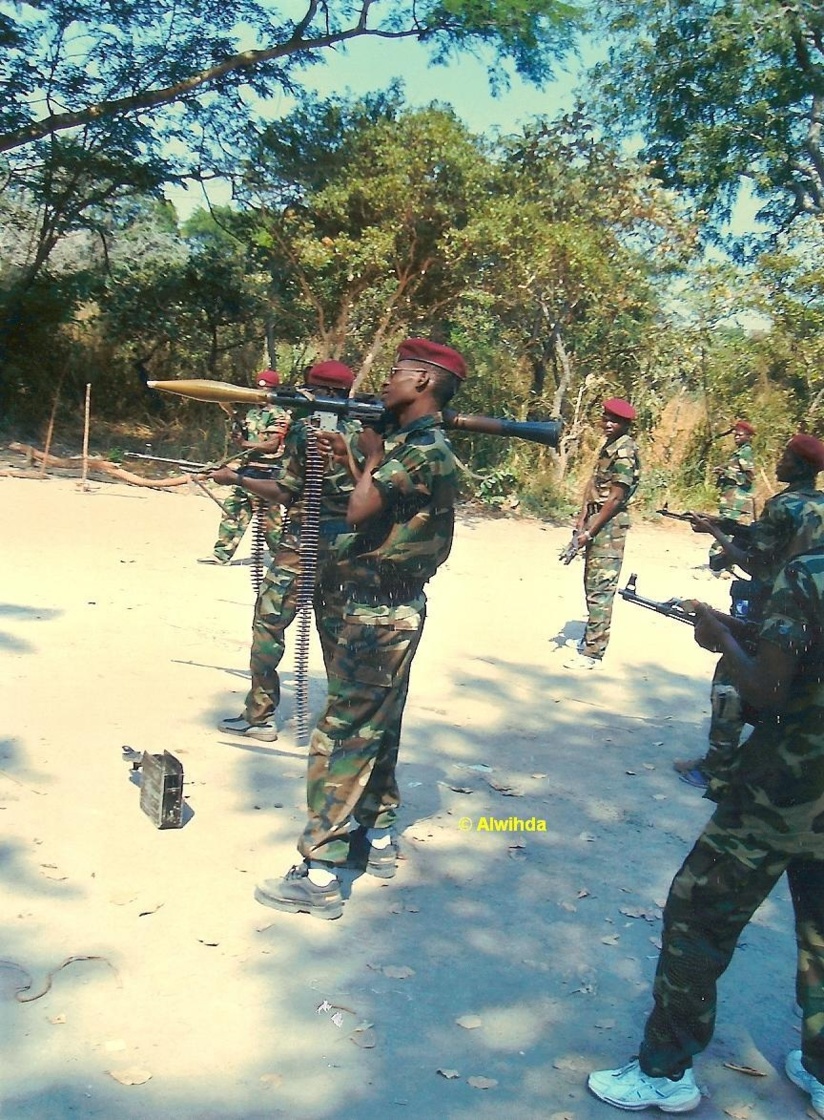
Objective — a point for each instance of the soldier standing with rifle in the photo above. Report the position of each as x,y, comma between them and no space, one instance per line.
257,437
277,601
735,480
768,821
601,528
791,522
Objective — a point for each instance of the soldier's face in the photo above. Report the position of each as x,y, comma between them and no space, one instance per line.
790,468
613,426
402,385
740,436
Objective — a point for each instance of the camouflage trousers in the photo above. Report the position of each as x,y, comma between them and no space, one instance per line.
240,507
726,723
353,750
276,608
723,881
602,568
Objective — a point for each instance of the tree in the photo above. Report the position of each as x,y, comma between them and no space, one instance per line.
73,63
724,93
356,210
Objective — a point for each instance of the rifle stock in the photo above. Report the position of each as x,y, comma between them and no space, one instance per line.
306,401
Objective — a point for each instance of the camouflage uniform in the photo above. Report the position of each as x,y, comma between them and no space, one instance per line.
618,462
791,522
261,422
277,601
354,748
770,820
735,481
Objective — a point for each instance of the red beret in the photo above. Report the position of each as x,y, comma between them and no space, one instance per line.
808,448
444,357
615,406
269,377
334,374
743,426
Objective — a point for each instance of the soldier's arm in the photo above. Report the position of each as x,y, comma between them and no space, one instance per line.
763,679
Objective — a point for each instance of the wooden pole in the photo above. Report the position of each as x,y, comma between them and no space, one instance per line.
50,429
87,410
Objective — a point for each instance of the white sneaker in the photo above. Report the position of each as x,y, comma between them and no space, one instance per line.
581,661
634,1090
799,1076
239,725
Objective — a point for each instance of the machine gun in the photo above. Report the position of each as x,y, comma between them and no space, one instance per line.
306,402
683,610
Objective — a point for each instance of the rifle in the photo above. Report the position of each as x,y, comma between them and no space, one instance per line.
568,554
306,402
677,609
727,525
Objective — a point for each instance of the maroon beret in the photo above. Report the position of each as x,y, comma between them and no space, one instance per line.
331,373
743,426
615,406
434,354
808,448
269,377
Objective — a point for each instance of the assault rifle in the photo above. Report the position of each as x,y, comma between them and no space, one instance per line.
727,525
568,554
305,402
683,610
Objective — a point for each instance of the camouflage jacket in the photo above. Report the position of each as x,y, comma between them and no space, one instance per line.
618,463
336,483
735,481
791,522
776,790
262,422
404,545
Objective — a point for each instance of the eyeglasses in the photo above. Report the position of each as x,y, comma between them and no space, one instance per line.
407,369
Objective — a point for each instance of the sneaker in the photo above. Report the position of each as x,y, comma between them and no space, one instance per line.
239,725
214,560
582,661
694,777
684,765
799,1076
383,862
295,893
634,1090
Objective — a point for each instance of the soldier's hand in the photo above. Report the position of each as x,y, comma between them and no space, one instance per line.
223,476
709,631
698,523
332,444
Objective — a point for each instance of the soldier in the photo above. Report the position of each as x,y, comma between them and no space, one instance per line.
735,482
792,521
277,601
602,528
402,511
768,821
258,438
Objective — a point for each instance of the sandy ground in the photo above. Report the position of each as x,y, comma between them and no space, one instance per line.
485,980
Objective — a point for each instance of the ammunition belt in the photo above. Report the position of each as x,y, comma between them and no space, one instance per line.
388,596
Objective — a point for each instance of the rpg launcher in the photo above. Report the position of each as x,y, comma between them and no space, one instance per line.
306,402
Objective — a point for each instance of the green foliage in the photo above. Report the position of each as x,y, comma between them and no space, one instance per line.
723,93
